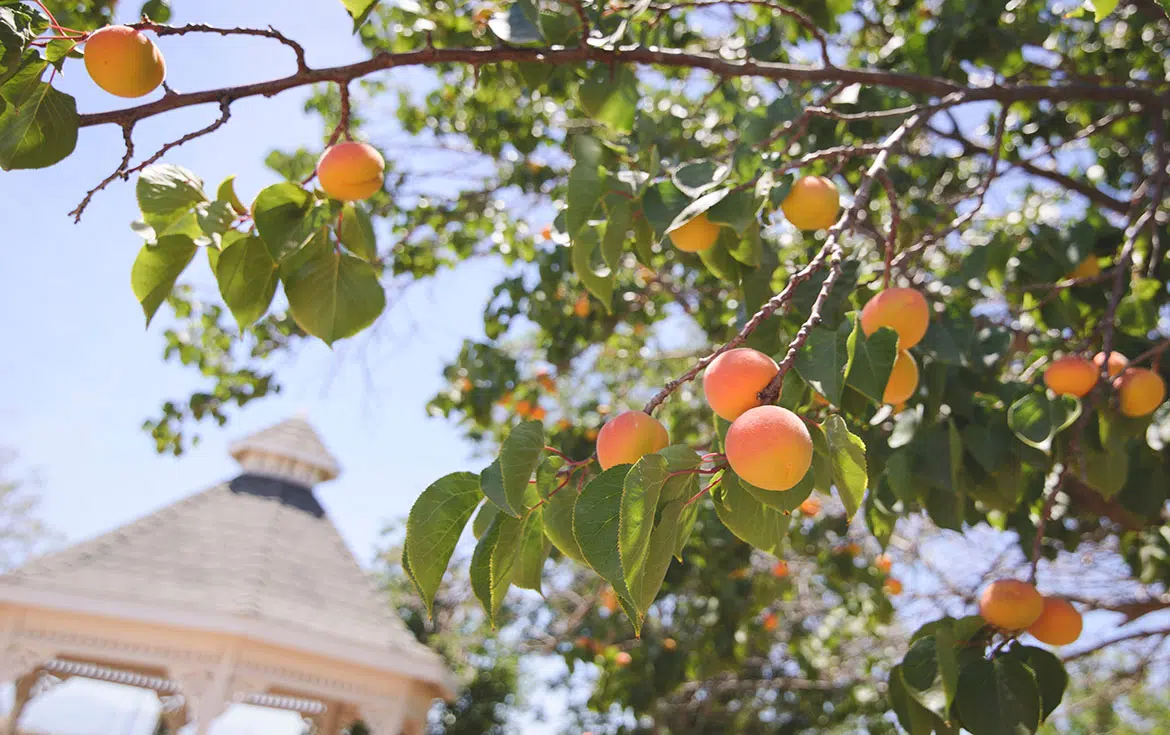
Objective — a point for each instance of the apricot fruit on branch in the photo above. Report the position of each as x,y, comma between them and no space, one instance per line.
1087,268
903,379
733,381
903,310
628,437
812,204
1140,391
1117,362
124,61
696,235
351,171
1071,375
1010,604
769,447
1059,623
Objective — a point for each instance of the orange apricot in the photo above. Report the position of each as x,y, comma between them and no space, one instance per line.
1059,623
1010,604
582,307
903,310
771,620
669,644
695,235
1087,268
124,61
609,599
733,381
769,447
1117,362
1071,375
903,380
780,571
1140,390
628,437
623,658
883,564
351,171
810,507
812,203
892,586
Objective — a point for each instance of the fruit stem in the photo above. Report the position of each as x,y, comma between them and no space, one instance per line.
704,491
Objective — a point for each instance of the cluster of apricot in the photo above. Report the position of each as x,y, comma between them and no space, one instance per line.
125,62
1014,606
769,446
1139,390
812,204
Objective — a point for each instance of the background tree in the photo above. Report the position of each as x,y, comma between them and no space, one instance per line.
22,532
1008,162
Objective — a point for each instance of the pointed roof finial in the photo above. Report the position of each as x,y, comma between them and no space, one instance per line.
290,450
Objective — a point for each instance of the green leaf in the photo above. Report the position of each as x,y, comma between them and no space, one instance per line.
226,192
599,283
610,96
558,522
641,490
517,25
491,481
739,210
281,213
23,80
912,716
848,456
1036,418
718,257
998,698
332,295
519,455
697,207
617,227
870,360
823,361
696,178
1051,678
585,184
156,269
359,10
157,10
533,548
748,518
946,648
357,233
647,579
1106,471
40,131
435,523
784,501
596,519
661,204
166,189
214,218
483,518
247,277
1102,8
493,563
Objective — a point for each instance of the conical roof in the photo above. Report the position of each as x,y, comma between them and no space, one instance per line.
290,449
257,553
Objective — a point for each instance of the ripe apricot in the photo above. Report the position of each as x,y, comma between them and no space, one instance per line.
903,310
696,235
733,381
629,436
351,171
669,644
771,621
883,564
780,571
523,408
1059,623
582,307
810,507
1087,268
812,204
1071,375
892,586
124,61
1140,390
622,658
609,599
1010,604
1117,362
769,447
903,379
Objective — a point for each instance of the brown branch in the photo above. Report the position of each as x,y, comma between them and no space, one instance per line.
642,55
1055,480
795,128
160,30
343,122
895,219
118,173
1152,352
225,112
1136,635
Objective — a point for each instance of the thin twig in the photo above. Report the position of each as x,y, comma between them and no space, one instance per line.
895,219
161,29
1054,483
1136,635
128,140
343,122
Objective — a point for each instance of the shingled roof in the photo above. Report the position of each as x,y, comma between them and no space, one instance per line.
258,548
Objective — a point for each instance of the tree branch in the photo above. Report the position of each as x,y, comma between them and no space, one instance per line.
1136,635
160,30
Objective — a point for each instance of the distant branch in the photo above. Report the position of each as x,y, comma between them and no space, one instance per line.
160,30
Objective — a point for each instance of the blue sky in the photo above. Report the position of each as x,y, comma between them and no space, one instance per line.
80,373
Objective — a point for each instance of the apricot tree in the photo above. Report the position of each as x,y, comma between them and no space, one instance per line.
936,241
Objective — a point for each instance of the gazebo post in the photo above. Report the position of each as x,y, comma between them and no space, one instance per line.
385,717
24,687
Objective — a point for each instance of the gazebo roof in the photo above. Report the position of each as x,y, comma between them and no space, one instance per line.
256,556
